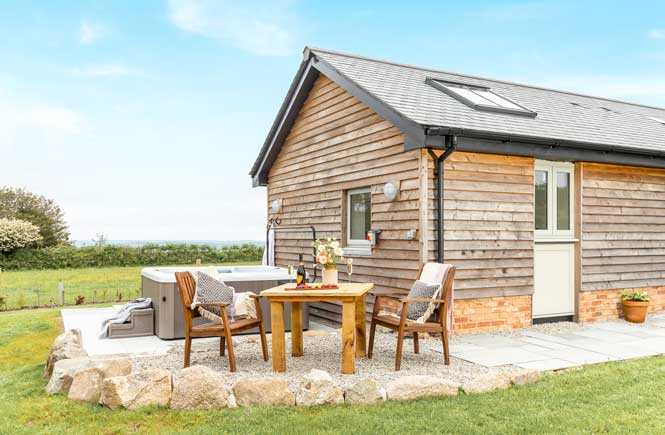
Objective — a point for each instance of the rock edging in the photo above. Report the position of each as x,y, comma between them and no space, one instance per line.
113,383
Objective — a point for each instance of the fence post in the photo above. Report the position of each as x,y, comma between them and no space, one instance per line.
61,292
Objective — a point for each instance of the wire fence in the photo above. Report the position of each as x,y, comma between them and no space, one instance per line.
39,288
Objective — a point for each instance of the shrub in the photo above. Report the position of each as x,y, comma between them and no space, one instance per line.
36,209
635,295
3,302
16,234
68,256
79,300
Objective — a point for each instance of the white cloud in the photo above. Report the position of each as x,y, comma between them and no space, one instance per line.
262,28
657,34
90,32
106,70
35,124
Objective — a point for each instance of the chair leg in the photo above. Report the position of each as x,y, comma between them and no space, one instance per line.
264,344
416,345
188,350
446,353
221,346
400,342
229,341
232,356
372,330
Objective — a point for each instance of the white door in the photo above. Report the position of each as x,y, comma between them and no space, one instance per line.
554,247
554,280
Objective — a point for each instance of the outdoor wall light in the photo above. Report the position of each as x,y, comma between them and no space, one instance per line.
390,190
276,206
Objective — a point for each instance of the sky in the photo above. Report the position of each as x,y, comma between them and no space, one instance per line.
142,119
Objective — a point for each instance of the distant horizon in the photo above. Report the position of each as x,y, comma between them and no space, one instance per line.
141,242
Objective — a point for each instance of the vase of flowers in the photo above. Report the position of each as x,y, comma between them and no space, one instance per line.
328,253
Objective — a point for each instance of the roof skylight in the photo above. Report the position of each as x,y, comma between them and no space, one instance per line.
480,98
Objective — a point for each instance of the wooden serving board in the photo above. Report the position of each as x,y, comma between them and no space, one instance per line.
312,288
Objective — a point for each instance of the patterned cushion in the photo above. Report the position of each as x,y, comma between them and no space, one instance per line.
420,311
211,290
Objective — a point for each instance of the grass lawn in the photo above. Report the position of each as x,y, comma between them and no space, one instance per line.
40,287
622,397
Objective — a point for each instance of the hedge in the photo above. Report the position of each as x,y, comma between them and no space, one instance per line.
68,256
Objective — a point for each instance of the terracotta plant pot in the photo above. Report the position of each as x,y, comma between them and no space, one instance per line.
329,275
635,311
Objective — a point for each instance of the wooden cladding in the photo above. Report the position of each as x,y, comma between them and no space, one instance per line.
622,227
336,144
488,221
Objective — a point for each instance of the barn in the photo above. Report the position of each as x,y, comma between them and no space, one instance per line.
549,203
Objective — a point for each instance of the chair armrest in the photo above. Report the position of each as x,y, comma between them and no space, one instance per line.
421,300
213,304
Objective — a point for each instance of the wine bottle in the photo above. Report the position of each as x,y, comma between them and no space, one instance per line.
300,273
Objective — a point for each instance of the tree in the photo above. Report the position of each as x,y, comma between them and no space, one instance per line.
43,212
15,234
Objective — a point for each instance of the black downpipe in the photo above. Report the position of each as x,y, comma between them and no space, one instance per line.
295,228
451,145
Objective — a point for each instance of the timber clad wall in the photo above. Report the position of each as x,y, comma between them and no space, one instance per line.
337,143
623,227
488,221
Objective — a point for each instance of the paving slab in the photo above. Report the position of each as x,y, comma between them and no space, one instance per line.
547,364
500,356
604,335
579,356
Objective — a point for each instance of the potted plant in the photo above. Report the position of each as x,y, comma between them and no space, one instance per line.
328,253
635,305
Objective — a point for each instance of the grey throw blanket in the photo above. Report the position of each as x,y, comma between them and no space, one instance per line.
124,313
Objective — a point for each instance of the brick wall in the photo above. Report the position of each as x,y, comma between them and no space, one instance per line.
485,314
599,305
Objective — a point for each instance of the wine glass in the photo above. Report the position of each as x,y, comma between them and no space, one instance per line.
349,268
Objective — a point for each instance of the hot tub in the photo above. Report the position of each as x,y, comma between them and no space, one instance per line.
159,284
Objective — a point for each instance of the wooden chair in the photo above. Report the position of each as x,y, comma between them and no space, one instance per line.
436,324
225,330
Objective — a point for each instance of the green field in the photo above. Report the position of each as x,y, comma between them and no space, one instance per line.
40,287
613,398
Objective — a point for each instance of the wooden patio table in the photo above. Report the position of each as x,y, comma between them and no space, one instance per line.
352,297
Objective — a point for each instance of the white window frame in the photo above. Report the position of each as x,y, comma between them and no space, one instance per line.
355,243
552,169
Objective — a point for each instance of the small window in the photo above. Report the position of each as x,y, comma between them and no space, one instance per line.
480,98
541,200
359,215
553,200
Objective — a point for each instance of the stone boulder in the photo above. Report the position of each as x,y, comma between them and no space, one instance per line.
412,387
363,392
66,350
199,387
63,373
87,385
526,376
318,388
148,387
113,367
263,392
70,336
486,383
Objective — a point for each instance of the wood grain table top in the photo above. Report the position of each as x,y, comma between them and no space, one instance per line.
345,290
